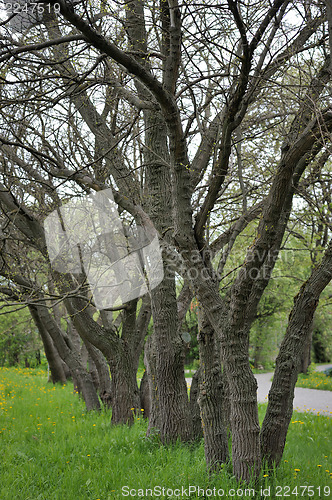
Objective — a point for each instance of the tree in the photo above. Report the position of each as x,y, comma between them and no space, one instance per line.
18,340
170,114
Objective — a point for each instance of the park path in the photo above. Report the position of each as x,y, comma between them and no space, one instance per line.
311,400
305,400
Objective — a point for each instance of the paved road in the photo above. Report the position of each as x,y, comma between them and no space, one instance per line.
311,400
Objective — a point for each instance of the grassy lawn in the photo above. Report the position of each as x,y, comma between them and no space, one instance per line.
315,380
52,449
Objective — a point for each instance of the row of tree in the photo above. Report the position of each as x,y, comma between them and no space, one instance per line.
212,125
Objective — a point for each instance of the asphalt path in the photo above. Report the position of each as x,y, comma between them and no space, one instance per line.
305,400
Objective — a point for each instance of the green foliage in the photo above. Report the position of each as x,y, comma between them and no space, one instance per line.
322,335
19,340
52,449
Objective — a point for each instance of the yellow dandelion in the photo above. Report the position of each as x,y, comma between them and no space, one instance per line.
297,470
266,475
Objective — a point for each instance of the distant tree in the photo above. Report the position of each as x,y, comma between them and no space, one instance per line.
19,343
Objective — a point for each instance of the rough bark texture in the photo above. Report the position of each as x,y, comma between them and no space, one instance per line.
241,382
169,382
174,418
194,406
118,353
233,333
72,359
150,365
306,355
281,395
211,396
125,393
145,398
51,353
76,344
100,373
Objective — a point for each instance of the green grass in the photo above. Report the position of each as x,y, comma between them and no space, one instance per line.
52,449
315,380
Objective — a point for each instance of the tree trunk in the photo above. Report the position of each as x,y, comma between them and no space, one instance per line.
99,369
51,353
72,359
150,365
228,324
76,344
94,373
211,395
174,417
125,393
144,393
306,355
118,353
194,406
281,395
173,404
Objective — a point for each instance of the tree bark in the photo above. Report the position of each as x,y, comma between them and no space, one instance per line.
174,418
169,380
173,403
306,355
125,393
194,406
51,353
150,365
211,395
145,397
100,372
281,395
118,352
72,359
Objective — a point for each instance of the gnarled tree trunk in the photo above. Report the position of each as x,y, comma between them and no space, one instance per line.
55,363
194,406
211,395
281,395
71,358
